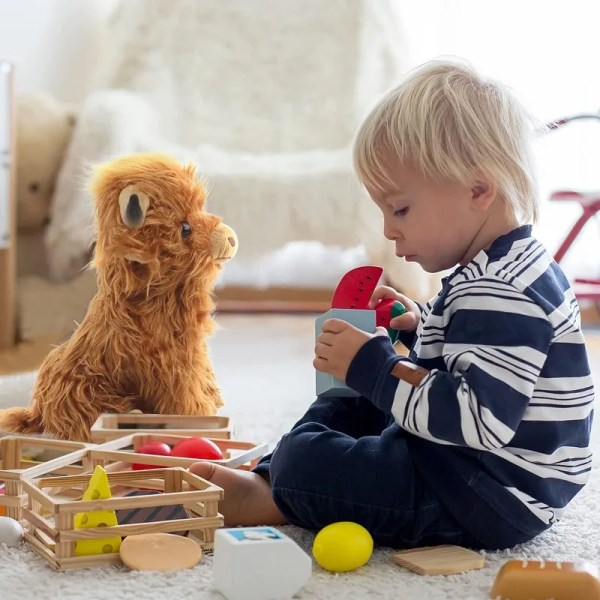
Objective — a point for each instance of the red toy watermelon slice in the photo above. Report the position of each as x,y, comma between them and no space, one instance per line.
356,288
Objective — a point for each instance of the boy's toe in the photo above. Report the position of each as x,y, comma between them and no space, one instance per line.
205,470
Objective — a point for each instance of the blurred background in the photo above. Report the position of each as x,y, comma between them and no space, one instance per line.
265,97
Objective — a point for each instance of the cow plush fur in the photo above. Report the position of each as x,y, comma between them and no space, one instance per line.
142,344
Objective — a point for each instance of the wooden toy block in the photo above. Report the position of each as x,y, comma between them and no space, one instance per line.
16,465
241,554
120,454
110,426
328,385
539,580
439,560
50,519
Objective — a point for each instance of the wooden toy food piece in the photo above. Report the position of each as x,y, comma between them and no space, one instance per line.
342,546
159,552
387,310
356,288
197,447
98,489
156,448
538,580
193,447
11,531
439,560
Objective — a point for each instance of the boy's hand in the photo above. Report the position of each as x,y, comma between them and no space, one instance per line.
338,344
406,322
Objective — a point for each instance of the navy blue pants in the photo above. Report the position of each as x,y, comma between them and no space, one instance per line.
345,460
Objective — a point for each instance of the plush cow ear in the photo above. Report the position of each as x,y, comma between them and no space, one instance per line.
133,204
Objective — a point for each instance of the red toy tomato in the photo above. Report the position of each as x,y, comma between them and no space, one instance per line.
157,448
197,447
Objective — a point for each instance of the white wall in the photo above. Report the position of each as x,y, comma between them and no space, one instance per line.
52,43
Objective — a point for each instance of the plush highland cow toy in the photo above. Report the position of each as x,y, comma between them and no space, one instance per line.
142,344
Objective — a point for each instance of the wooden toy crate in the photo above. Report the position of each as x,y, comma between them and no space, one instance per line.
121,453
49,518
110,426
16,465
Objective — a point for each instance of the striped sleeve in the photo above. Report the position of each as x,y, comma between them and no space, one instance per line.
495,345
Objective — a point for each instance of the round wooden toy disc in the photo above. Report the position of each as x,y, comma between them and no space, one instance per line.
159,552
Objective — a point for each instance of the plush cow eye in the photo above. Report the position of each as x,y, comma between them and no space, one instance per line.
186,230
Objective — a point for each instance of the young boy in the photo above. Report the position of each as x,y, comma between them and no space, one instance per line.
480,437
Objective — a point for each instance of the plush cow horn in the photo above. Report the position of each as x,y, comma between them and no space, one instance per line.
133,204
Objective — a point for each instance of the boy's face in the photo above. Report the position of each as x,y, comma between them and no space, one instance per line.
432,223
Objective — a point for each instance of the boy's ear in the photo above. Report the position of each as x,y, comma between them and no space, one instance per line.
483,193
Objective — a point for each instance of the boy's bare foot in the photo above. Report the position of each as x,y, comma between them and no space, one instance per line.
247,500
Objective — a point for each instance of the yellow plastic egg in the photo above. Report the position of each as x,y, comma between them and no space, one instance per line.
342,546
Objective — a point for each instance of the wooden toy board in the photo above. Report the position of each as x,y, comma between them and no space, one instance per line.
120,454
110,426
50,512
16,465
439,560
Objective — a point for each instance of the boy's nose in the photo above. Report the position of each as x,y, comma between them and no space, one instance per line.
389,232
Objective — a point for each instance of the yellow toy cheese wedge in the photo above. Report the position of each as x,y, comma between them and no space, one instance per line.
98,489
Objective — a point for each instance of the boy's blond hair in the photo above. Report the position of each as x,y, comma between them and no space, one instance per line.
450,124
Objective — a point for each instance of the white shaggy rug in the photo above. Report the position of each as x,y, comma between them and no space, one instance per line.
264,366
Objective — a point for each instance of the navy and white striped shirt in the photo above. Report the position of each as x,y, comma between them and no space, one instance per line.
501,424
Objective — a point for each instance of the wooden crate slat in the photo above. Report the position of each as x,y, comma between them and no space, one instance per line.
41,523
164,499
45,539
38,495
107,427
170,526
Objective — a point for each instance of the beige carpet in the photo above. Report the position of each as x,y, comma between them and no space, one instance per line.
264,366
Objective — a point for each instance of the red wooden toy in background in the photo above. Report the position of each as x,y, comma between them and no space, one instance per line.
197,447
194,447
156,448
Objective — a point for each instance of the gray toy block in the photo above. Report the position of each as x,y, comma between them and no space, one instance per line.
328,385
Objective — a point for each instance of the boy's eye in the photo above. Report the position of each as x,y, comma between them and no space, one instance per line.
401,212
